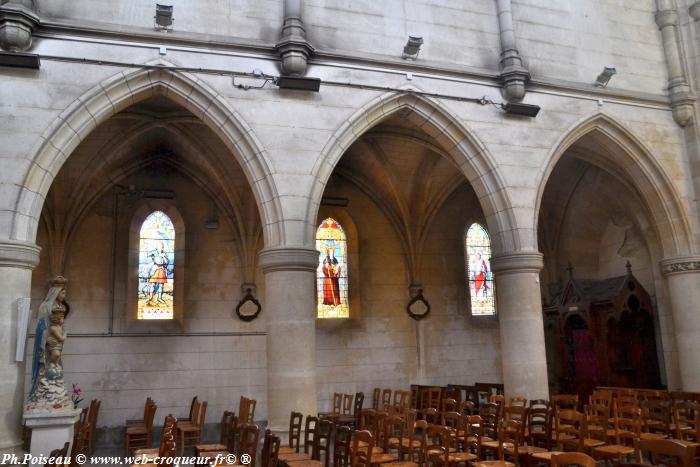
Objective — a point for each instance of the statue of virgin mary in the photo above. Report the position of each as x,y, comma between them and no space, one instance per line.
48,391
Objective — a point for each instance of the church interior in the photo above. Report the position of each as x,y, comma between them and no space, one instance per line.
247,249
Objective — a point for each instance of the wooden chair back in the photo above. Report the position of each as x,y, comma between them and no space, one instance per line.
376,398
601,397
628,425
359,401
194,407
341,446
452,420
386,398
517,401
438,445
271,449
489,413
569,428
449,405
564,401
225,425
362,446
95,405
660,450
246,410
202,415
566,459
394,431
295,430
309,433
337,403
59,456
433,398
657,416
347,404
510,436
250,436
467,408
475,430
431,415
539,424
322,441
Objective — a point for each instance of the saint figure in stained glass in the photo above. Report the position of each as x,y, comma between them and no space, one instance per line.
156,267
332,277
479,275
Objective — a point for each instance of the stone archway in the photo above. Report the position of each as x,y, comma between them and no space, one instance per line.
106,99
456,141
633,162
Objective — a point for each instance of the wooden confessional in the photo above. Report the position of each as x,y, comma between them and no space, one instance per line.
601,333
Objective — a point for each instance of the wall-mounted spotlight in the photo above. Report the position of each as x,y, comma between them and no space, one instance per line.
298,83
602,80
19,60
164,17
518,108
412,48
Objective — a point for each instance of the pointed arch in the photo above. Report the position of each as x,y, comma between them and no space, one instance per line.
627,157
458,142
117,93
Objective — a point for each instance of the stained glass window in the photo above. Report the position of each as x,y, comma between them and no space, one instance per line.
479,275
332,273
156,267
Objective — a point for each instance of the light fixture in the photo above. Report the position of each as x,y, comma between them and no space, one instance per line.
20,60
518,108
412,48
298,83
164,16
602,80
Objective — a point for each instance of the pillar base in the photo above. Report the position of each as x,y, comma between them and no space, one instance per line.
51,430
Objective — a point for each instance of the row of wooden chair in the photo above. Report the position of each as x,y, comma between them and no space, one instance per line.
382,398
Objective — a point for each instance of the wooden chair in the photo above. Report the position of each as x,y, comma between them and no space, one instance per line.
346,408
467,408
166,435
287,455
227,429
250,436
373,421
142,421
341,446
489,413
474,432
352,420
294,434
80,442
190,433
569,431
59,456
657,418
320,453
566,459
628,427
394,431
92,418
597,426
167,459
140,436
539,424
449,405
361,450
192,415
693,420
660,450
433,400
376,398
439,448
499,399
270,450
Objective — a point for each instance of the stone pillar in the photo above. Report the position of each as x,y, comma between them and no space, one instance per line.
683,276
290,306
17,259
519,308
667,19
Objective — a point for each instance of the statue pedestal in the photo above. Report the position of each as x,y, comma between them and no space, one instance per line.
51,430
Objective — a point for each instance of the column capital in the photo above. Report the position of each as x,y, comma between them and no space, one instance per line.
288,259
18,254
680,265
517,261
